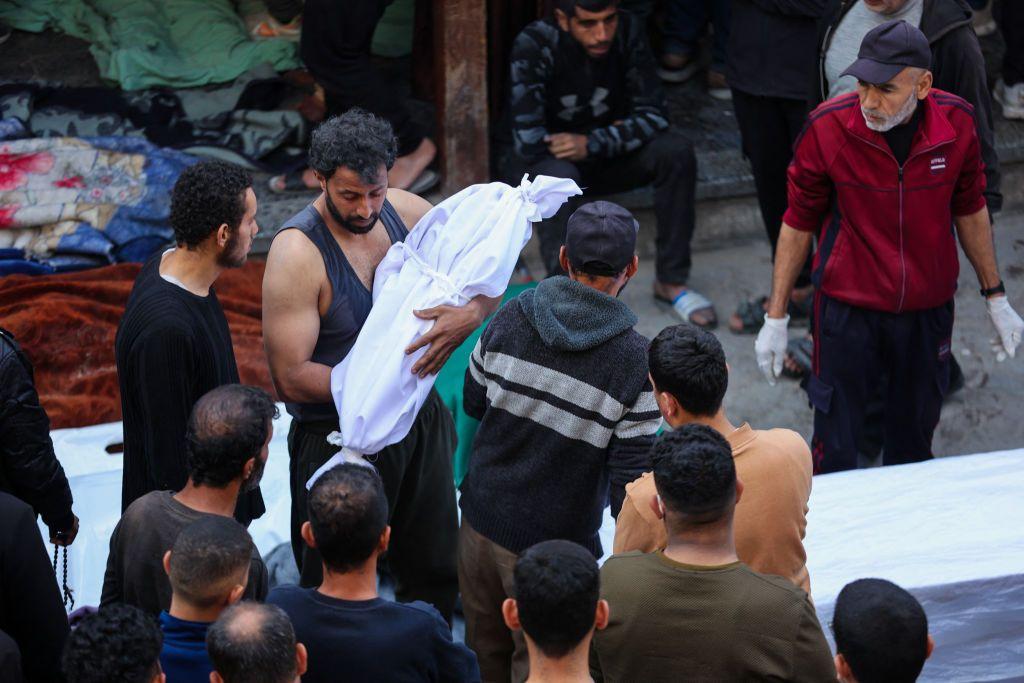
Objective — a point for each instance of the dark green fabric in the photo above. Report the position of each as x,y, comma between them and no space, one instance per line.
449,386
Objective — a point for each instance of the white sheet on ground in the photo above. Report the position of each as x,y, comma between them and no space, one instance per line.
950,530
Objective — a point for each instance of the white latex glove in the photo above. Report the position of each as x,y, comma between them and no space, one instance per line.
1008,325
770,346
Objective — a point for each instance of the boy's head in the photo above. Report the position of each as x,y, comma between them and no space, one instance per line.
881,633
254,643
348,517
228,436
118,644
208,565
695,476
689,373
557,605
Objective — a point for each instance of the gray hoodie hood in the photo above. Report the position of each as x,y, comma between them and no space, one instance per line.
573,317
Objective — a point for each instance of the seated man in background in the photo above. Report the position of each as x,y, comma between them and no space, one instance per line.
254,643
208,567
690,378
557,586
881,633
694,611
567,417
349,631
586,104
226,445
118,644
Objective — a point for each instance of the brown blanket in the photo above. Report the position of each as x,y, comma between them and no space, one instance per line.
66,324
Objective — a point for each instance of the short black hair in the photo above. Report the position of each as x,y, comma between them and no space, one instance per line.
569,6
694,473
252,643
205,196
557,586
881,631
208,554
357,140
228,425
348,511
118,644
689,363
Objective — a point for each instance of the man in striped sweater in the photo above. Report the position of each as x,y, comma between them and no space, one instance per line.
567,416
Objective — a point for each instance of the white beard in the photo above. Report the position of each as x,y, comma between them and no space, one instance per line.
896,119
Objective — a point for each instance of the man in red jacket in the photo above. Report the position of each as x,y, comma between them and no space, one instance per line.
883,175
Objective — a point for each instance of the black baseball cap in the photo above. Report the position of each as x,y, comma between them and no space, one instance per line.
600,238
887,50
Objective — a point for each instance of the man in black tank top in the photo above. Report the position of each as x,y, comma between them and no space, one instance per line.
316,297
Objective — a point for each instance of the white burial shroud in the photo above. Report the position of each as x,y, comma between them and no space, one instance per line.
465,246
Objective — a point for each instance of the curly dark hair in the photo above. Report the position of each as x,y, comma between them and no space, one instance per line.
694,473
118,644
557,585
228,425
205,196
689,363
348,511
357,140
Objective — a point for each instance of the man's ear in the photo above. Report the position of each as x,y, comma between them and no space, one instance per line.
601,615
307,534
633,266
563,19
924,85
843,670
236,594
739,489
931,647
215,677
510,612
223,235
385,540
167,563
248,467
301,660
658,507
563,259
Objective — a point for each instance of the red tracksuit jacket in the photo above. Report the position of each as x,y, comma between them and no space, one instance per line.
886,237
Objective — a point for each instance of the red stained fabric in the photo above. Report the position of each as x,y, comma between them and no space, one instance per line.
67,323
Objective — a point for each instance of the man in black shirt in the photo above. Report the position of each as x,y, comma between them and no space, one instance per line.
173,344
585,104
349,632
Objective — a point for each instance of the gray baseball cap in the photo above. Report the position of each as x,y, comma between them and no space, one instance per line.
889,49
600,238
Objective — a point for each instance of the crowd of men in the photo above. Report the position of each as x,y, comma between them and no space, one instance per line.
577,411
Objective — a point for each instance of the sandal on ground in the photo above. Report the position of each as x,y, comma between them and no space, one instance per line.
690,302
799,352
292,182
750,314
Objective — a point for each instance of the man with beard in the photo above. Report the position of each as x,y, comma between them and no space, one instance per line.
316,297
883,175
227,447
173,344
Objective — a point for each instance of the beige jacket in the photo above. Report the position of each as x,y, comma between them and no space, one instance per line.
771,517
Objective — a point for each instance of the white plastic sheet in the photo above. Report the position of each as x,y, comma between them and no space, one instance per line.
464,247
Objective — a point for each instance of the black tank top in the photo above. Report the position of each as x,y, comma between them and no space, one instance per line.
350,301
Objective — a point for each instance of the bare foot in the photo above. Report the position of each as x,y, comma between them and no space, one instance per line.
408,168
308,179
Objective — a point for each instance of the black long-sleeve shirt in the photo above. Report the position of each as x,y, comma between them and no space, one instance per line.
28,467
31,611
172,347
616,101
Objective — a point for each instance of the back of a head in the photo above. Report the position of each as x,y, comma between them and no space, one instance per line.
569,6
881,631
348,512
357,140
227,427
695,475
689,363
253,643
118,644
205,196
209,557
557,586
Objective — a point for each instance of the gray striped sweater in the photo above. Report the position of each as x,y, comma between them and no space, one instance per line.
567,416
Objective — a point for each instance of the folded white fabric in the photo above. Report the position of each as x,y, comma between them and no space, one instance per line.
465,246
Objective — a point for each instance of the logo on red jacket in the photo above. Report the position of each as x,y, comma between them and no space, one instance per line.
938,165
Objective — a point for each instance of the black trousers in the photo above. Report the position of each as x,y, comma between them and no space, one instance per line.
336,40
667,162
1012,24
854,349
769,126
418,481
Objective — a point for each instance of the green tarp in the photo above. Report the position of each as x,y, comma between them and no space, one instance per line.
152,43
